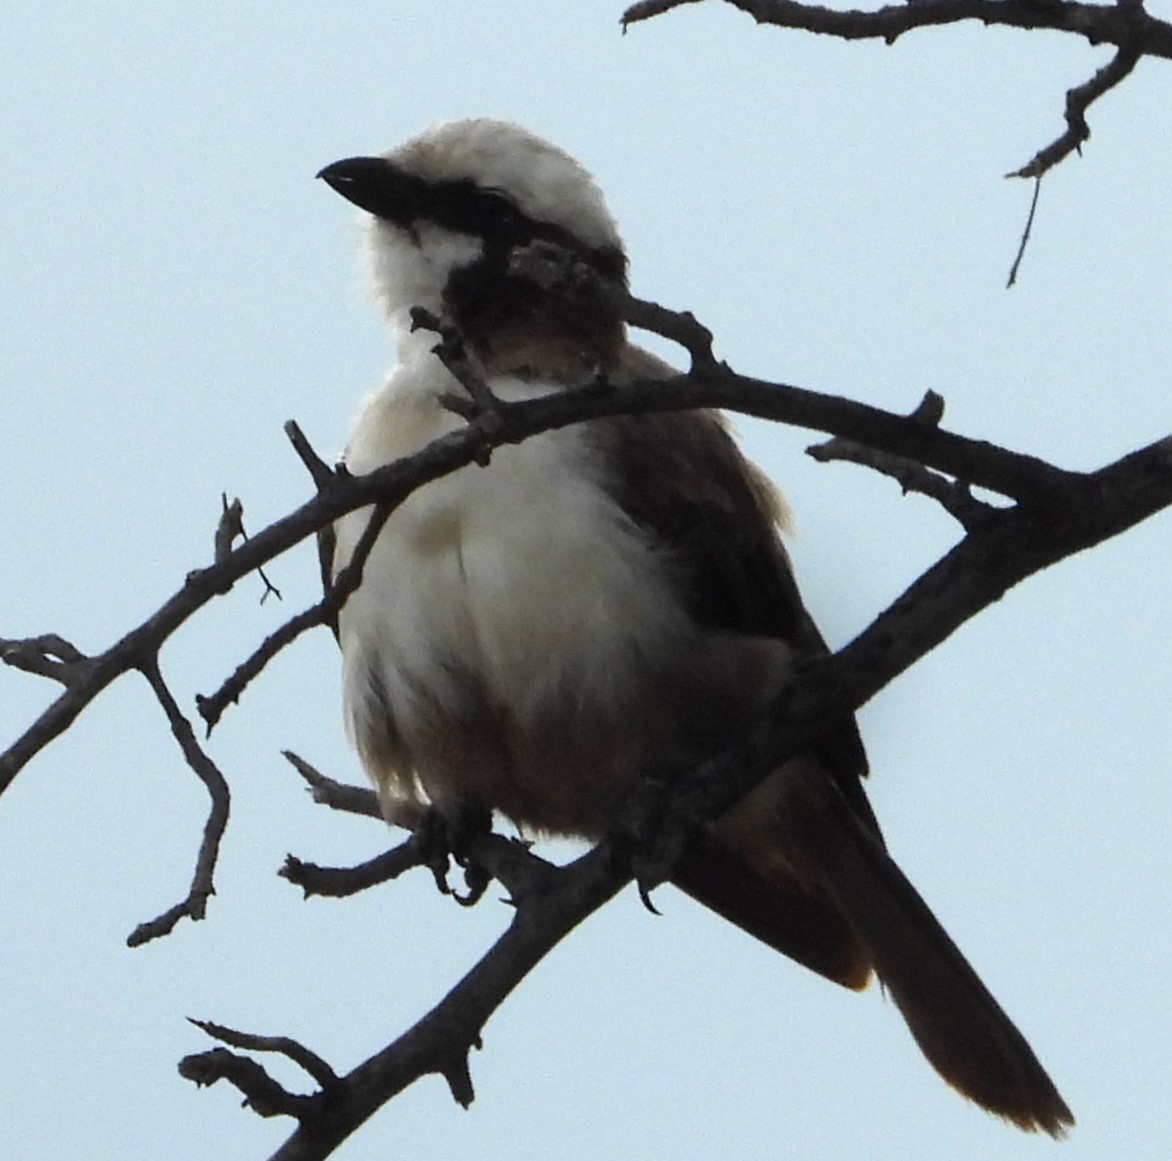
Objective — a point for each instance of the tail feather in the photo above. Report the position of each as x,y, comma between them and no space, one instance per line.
959,1026
808,928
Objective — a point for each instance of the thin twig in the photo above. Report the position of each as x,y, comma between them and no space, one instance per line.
211,707
261,1092
229,529
320,472
1025,234
325,612
451,351
296,1052
953,496
336,795
340,882
195,905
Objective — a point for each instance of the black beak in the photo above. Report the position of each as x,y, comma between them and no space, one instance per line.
377,186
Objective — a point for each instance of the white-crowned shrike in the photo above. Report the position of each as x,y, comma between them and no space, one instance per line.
608,598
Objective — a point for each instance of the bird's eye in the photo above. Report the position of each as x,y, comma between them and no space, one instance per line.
498,203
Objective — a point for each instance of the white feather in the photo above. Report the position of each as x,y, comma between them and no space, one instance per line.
524,575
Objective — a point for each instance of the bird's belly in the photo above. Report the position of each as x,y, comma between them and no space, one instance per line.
508,641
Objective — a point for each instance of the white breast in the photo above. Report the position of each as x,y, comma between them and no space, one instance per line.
513,590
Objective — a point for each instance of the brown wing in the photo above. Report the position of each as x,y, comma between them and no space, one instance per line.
684,480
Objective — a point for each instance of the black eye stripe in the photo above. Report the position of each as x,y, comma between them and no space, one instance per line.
489,213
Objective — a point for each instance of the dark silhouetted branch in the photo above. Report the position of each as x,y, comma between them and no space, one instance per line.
1125,24
195,905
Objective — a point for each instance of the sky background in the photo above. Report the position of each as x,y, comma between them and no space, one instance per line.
176,285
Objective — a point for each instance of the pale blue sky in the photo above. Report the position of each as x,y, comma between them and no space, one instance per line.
176,285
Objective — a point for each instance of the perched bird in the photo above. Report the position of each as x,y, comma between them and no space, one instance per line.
608,598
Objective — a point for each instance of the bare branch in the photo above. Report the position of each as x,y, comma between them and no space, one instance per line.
1078,100
1118,24
1058,513
321,472
327,539
195,905
570,280
48,656
325,612
954,497
298,1053
230,529
261,1093
1030,481
508,860
1007,547
679,326
646,9
338,882
450,351
211,707
1125,24
1010,545
337,795
441,1040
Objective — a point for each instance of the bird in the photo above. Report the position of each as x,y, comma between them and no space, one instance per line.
608,598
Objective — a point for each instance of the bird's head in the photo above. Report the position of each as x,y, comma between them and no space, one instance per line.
451,208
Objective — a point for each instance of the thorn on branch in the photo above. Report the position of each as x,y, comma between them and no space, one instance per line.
230,528
456,1072
930,410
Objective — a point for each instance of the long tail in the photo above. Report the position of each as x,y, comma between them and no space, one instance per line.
864,911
